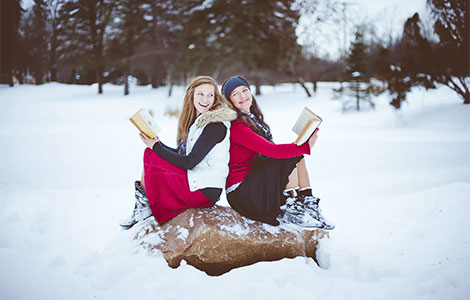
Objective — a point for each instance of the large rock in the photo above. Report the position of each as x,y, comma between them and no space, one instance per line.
218,239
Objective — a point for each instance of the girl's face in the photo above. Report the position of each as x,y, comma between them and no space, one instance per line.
241,98
204,97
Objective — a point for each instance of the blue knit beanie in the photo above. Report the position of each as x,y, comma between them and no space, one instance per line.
231,84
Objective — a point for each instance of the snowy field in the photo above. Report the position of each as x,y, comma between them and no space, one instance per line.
397,185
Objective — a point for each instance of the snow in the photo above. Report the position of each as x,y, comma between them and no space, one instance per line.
395,183
238,229
182,233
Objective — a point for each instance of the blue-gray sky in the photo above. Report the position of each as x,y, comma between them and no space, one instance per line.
386,16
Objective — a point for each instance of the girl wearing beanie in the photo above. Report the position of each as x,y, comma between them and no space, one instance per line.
264,176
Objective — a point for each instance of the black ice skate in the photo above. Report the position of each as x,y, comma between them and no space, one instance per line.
287,196
141,209
311,206
295,213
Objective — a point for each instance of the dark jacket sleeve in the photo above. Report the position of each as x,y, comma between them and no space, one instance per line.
212,134
169,148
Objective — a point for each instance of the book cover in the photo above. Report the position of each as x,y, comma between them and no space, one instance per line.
143,120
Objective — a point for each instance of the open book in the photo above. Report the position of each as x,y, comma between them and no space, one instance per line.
145,123
306,124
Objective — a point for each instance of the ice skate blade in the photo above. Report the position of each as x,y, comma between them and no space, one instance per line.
127,225
291,225
328,227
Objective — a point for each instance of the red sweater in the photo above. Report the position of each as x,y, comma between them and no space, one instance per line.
245,144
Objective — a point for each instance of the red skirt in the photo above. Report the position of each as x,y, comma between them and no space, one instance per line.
167,188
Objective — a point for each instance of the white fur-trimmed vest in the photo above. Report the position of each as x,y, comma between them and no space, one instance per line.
212,171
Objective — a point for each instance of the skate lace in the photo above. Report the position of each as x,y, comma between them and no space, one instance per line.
294,206
311,204
311,201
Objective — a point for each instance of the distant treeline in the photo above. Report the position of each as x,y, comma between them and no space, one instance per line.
168,42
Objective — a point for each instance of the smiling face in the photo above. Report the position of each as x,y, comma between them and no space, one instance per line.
204,97
241,98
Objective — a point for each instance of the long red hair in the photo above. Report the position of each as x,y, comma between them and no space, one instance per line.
189,112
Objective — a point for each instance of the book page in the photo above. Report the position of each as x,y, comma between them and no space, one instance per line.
304,117
150,121
307,131
305,125
145,123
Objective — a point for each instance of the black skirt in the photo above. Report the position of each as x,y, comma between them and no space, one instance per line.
259,195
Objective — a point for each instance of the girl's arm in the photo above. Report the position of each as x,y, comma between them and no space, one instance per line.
242,134
168,148
212,134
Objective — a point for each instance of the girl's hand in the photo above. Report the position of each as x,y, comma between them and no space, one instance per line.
312,140
148,141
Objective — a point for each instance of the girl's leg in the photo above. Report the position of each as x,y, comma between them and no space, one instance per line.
295,211
142,178
293,180
302,174
299,177
309,201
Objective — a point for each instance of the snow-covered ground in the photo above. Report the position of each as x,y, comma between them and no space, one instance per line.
397,185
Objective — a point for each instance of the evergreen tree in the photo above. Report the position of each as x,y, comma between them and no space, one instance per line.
358,89
391,71
452,59
128,31
401,65
55,29
84,37
36,41
445,62
163,39
11,13
251,37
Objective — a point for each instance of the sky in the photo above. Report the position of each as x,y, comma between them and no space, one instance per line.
334,36
402,7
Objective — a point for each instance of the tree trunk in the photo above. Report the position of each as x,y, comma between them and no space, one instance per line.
358,99
100,83
126,78
10,78
170,84
53,74
126,84
315,86
462,90
302,83
152,79
53,61
99,72
258,89
39,78
20,77
256,82
299,79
